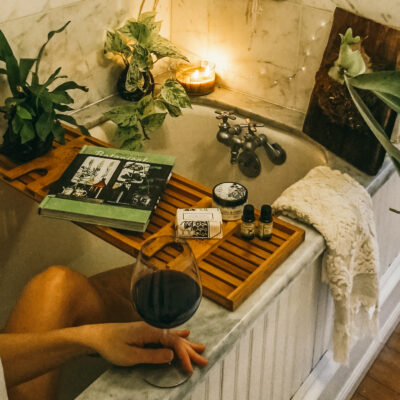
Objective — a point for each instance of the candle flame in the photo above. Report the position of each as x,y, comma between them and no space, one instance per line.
196,74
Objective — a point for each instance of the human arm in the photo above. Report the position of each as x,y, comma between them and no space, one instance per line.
28,355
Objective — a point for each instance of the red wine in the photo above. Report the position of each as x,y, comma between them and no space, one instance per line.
166,298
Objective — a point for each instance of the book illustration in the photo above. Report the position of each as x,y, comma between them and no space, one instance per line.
100,179
90,179
133,174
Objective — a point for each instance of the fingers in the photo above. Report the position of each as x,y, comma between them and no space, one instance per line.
184,333
153,356
189,352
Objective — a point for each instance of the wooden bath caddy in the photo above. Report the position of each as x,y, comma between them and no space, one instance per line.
231,268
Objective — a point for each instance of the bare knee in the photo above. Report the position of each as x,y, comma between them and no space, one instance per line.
61,297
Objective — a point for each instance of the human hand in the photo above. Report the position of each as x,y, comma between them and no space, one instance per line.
123,344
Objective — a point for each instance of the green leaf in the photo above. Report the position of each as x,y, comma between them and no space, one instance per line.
128,132
134,78
152,122
27,132
148,19
62,107
142,58
53,77
172,110
137,31
5,49
16,124
44,125
49,36
46,102
71,85
373,124
71,120
13,101
114,43
25,65
123,116
60,97
145,105
348,38
380,81
174,93
23,113
13,74
134,144
58,132
162,47
392,101
349,62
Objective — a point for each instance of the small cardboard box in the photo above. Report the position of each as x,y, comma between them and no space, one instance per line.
198,223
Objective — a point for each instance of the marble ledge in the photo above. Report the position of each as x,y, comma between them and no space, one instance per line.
212,325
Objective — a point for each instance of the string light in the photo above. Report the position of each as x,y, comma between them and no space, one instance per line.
307,54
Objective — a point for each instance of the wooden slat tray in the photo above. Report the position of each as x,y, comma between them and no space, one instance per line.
231,268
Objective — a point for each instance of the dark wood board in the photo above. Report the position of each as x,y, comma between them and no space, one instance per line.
357,146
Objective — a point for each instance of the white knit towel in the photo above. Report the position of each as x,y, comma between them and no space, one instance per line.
340,209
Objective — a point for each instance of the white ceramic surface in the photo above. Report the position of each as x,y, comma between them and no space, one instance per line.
199,156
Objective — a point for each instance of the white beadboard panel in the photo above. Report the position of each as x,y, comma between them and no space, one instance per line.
214,384
281,337
199,392
257,336
387,222
328,324
295,338
228,373
305,329
243,367
322,310
269,350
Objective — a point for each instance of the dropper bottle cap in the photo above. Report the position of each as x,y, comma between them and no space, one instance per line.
248,213
266,213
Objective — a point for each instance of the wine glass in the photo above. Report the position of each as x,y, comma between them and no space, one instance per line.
166,291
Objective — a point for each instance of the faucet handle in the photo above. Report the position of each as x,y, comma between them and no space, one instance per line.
225,115
251,126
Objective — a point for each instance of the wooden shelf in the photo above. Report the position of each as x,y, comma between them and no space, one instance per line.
231,268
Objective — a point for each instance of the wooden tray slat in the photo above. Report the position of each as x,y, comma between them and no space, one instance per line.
230,269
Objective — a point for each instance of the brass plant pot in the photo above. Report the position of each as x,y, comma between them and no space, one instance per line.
137,94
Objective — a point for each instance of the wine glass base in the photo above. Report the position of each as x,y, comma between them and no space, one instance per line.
165,375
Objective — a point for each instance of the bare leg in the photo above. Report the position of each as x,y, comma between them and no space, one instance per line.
58,298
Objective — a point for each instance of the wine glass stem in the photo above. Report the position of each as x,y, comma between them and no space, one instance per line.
165,334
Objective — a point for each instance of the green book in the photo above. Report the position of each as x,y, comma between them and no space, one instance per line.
110,187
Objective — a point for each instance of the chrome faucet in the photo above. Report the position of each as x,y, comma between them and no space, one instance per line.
248,160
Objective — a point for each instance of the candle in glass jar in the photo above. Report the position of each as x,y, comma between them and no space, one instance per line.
198,78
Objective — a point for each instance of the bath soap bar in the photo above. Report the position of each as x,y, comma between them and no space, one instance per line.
198,223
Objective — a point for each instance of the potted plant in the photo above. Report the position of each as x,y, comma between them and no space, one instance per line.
34,111
139,45
353,69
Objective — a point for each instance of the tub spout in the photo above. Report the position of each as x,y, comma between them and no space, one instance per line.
274,151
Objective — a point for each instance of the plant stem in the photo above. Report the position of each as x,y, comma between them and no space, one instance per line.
141,7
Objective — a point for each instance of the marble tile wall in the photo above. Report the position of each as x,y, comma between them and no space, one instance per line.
79,49
267,48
